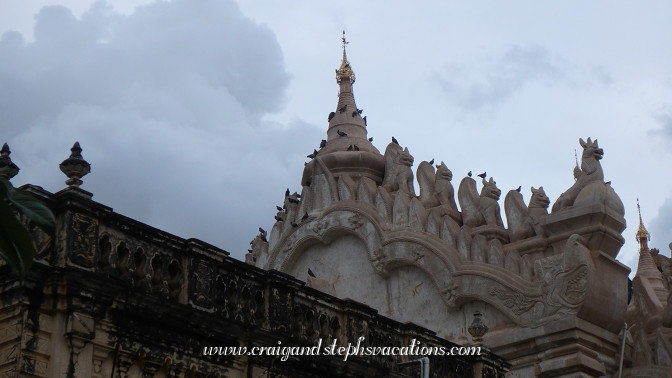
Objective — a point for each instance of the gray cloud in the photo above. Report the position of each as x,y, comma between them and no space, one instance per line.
473,89
664,119
166,101
661,227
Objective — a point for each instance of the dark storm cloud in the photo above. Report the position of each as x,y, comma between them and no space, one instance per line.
475,89
167,104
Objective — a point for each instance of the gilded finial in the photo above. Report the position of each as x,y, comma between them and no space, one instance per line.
642,233
345,71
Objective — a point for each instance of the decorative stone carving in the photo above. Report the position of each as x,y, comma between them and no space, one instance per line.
83,240
589,187
398,174
75,167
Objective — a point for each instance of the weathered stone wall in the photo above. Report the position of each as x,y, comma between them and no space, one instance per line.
112,297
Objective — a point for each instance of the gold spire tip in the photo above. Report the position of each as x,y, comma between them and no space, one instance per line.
642,232
345,71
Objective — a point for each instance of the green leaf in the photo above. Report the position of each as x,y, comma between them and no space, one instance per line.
31,207
16,244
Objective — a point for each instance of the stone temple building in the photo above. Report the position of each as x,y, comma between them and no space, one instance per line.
357,256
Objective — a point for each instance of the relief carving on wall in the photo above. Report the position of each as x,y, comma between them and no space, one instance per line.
83,240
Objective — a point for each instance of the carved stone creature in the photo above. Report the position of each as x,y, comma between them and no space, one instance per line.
518,218
426,181
591,171
444,189
478,210
523,222
488,203
398,174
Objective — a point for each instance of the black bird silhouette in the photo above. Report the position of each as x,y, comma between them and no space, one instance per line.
341,133
323,143
431,161
249,250
279,219
294,224
359,111
304,164
364,120
394,140
298,196
304,217
354,113
343,108
263,238
608,183
310,273
356,148
251,241
482,175
292,200
313,155
261,230
287,192
371,139
279,208
469,174
518,190
350,147
331,115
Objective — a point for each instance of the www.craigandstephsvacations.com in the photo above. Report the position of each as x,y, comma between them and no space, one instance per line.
415,348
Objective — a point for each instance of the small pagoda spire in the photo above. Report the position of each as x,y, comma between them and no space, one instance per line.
642,235
6,162
345,71
75,167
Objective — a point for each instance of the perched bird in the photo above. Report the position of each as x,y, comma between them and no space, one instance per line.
469,174
354,113
261,230
350,147
364,120
310,273
341,133
394,140
608,183
356,148
371,139
249,250
313,155
431,161
331,115
518,190
323,143
294,224
287,192
279,208
359,111
263,238
292,200
482,175
343,108
304,164
304,217
298,196
251,241
279,219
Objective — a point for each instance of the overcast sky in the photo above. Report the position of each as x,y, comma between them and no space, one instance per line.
197,115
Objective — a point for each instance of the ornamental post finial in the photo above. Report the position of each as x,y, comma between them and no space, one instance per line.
75,167
6,162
